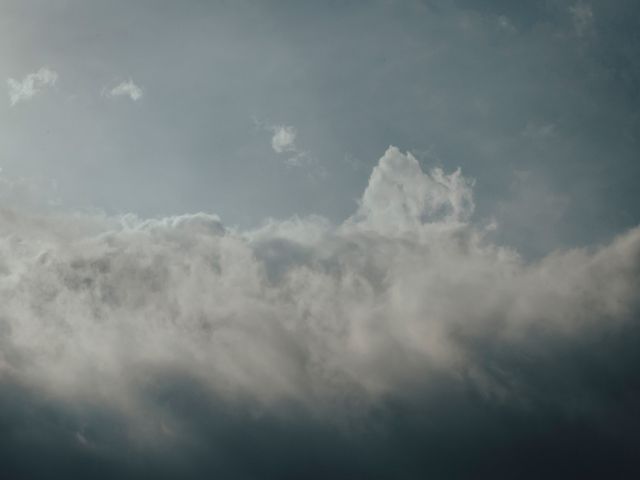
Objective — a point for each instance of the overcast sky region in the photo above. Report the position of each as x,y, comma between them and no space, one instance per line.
278,239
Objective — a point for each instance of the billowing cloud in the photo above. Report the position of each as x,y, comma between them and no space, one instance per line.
400,343
400,197
126,89
30,85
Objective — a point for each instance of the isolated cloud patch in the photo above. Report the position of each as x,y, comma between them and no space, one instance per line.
283,142
30,85
126,89
402,337
284,139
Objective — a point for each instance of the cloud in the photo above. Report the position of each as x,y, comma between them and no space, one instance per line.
127,89
539,131
30,85
505,24
400,197
401,337
283,142
582,16
284,139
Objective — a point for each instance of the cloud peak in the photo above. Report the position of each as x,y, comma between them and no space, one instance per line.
401,197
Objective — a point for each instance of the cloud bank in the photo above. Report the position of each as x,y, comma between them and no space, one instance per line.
399,344
30,85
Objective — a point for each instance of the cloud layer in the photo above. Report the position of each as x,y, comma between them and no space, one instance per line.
30,85
401,343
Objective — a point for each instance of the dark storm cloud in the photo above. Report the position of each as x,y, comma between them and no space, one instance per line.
399,344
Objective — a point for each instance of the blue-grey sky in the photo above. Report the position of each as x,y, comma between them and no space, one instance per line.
537,101
274,239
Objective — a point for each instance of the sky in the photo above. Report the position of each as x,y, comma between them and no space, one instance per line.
339,239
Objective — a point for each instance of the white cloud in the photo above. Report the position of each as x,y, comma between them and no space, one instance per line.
401,198
298,311
127,89
30,85
284,139
283,142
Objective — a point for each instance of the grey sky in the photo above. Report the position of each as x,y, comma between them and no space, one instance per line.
537,101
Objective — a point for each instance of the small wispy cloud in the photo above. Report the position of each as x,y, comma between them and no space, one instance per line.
284,139
582,16
126,89
539,131
283,142
30,85
506,25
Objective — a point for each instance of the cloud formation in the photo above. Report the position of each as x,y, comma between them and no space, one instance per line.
283,142
127,89
400,343
30,85
284,139
582,16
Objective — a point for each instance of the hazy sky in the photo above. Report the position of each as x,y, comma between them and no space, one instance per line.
537,101
319,239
